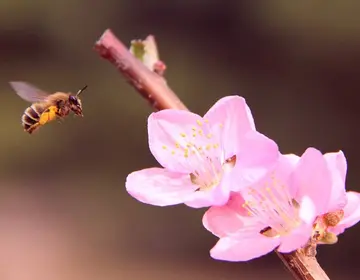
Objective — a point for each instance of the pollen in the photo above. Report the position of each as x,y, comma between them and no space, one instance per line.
183,135
173,152
186,153
194,135
164,147
199,122
209,136
177,145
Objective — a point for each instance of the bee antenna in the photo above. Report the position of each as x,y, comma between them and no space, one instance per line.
81,90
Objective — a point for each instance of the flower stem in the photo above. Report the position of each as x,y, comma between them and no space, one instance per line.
154,88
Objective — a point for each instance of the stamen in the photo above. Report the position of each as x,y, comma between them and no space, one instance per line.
272,205
269,232
208,175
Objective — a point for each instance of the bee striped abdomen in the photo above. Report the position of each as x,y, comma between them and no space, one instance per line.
30,118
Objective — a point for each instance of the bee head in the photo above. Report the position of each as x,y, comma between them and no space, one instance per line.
75,105
75,102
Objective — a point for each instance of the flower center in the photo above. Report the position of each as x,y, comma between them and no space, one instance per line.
273,206
201,147
210,173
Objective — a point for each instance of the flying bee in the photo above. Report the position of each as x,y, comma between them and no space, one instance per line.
45,107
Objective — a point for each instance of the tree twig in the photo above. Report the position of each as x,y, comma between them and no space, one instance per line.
303,267
153,87
149,84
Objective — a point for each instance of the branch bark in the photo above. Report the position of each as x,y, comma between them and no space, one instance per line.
153,88
303,267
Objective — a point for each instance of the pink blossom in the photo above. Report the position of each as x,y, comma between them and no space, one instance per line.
198,155
278,211
343,210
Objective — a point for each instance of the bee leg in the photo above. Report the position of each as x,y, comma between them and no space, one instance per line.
59,115
32,128
59,112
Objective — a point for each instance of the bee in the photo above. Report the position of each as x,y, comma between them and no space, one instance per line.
46,107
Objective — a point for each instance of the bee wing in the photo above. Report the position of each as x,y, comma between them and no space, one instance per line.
29,92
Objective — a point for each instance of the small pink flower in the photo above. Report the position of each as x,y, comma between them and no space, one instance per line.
343,210
278,211
198,155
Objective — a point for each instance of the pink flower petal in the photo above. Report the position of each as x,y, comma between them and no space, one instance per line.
351,213
170,132
243,249
300,235
231,117
337,165
292,159
312,178
296,239
280,172
227,219
284,170
307,212
160,187
257,155
337,161
219,195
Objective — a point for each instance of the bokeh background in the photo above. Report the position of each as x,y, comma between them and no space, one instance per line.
64,211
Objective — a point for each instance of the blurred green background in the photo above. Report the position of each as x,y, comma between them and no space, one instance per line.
64,211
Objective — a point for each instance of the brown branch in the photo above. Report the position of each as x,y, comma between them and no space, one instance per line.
303,267
153,87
